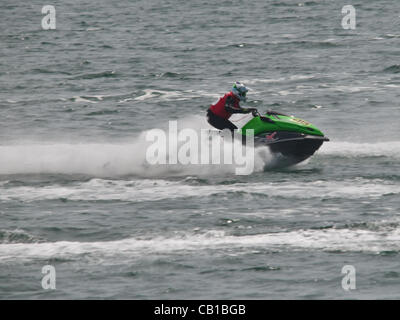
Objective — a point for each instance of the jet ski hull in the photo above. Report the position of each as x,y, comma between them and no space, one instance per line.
296,146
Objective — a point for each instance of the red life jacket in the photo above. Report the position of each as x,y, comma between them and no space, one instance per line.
219,108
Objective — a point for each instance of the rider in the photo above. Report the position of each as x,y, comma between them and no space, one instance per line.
219,113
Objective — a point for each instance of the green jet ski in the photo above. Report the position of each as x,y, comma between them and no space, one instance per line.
290,138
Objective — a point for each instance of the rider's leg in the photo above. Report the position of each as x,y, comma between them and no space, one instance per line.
219,123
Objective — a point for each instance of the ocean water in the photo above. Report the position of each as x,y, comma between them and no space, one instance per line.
76,192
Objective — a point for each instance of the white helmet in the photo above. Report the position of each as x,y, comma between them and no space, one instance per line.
240,90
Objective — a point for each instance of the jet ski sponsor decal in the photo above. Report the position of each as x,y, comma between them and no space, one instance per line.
303,122
271,137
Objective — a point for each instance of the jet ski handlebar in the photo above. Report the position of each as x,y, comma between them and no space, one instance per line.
255,113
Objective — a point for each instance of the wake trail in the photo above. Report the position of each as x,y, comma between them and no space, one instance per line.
109,159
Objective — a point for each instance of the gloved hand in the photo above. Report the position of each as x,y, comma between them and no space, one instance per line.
253,111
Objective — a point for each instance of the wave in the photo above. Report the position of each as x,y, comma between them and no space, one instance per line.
392,69
173,75
102,112
337,240
293,78
90,99
294,4
18,236
350,149
164,95
104,74
159,189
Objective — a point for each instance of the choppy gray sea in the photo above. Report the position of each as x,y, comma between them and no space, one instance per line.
75,192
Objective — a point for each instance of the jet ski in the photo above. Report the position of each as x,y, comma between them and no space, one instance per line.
292,139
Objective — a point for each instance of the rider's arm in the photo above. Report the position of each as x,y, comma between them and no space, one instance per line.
230,107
